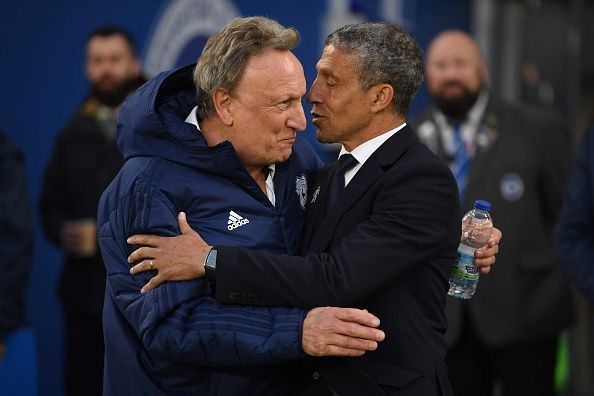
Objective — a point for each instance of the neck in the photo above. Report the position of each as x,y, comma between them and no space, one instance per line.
378,126
214,131
259,175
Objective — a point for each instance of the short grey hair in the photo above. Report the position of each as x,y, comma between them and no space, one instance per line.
386,54
226,52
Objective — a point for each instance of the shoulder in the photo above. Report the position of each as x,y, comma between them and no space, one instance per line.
77,127
144,191
144,173
420,159
530,117
419,172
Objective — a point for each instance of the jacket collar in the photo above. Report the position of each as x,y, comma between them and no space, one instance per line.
320,226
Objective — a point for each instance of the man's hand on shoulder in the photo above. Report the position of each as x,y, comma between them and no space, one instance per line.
331,331
175,258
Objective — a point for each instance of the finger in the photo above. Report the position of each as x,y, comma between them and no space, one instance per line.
484,270
486,252
334,350
145,265
484,262
353,343
144,240
142,253
153,283
359,331
184,227
495,237
357,316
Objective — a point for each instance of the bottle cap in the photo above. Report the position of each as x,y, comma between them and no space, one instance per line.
482,205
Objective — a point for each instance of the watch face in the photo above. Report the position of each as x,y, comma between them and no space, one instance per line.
211,260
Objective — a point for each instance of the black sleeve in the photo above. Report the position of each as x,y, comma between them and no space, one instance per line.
16,238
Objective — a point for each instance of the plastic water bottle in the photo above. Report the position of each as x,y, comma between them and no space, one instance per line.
477,228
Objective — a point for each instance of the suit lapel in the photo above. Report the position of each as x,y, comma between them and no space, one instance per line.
322,233
315,205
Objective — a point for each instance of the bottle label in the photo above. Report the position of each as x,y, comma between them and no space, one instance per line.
464,268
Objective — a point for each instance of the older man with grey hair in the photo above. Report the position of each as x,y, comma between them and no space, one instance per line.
225,151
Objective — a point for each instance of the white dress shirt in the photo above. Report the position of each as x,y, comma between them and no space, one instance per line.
363,151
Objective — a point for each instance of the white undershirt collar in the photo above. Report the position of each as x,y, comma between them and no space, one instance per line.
363,151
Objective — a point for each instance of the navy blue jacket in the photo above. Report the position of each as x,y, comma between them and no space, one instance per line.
177,339
575,230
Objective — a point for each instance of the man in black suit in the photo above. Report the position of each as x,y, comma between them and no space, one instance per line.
516,157
382,225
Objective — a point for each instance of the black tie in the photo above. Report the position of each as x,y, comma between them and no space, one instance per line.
336,183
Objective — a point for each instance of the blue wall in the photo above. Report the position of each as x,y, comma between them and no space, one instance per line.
41,83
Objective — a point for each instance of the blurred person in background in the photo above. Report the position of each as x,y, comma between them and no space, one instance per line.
515,157
84,161
16,240
575,249
575,231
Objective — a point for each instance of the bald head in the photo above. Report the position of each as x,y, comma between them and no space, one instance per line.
455,72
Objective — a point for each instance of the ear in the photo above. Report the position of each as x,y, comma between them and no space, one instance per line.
222,103
381,96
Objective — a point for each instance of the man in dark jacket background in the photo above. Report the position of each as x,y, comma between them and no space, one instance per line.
84,161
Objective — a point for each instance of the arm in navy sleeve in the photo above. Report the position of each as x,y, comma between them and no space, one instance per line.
180,321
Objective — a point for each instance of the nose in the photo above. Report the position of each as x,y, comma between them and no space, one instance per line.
313,95
297,120
452,71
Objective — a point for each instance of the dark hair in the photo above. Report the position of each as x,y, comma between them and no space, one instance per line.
387,54
108,31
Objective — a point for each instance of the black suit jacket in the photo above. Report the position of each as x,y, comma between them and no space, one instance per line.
388,245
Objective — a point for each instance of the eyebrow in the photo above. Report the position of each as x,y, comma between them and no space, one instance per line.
327,70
